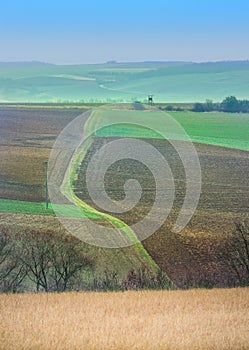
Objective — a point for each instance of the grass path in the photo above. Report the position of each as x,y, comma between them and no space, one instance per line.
68,190
34,208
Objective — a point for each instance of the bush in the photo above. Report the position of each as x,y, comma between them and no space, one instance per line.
144,279
199,107
230,104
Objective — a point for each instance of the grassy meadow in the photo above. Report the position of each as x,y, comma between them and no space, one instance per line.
175,320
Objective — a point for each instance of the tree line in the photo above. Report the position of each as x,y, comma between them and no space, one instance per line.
50,261
56,262
229,104
46,261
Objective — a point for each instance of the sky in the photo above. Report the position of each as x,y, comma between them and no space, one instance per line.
74,32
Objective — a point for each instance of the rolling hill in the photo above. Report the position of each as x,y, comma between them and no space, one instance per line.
123,82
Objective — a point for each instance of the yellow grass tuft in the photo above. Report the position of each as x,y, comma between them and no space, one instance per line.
195,319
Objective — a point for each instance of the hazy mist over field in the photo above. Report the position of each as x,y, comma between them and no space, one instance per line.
78,38
123,82
82,51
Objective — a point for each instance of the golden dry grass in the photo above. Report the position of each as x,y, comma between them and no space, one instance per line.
195,319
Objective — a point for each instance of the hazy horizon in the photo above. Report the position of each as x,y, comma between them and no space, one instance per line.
121,62
92,32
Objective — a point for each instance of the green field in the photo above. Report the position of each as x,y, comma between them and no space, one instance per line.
126,82
220,129
34,208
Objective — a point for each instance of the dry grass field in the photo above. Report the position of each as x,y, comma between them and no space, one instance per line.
194,319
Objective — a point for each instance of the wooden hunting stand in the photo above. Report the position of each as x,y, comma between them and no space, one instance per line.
150,100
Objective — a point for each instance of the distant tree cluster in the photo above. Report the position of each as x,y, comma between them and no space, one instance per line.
170,108
229,104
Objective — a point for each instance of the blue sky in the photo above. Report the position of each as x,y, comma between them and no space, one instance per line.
71,32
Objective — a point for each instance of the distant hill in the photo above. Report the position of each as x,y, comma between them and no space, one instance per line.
123,81
25,64
132,63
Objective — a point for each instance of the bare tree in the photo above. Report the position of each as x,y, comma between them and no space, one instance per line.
67,261
53,260
235,254
35,257
12,270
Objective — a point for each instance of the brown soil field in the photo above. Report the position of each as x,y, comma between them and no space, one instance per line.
225,185
27,136
192,254
193,320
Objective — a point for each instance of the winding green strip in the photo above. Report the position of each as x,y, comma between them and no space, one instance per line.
34,208
23,207
68,190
